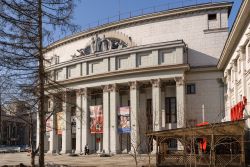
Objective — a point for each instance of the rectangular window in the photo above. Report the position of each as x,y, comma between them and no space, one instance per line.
212,16
172,143
57,60
190,89
69,72
170,108
56,75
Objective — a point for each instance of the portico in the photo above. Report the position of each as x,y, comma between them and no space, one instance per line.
146,101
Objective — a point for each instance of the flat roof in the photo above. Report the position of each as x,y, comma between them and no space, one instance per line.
222,128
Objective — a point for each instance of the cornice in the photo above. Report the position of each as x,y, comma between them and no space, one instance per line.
184,67
139,19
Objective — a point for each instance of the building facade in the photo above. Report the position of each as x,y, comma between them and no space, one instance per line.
110,85
16,124
235,63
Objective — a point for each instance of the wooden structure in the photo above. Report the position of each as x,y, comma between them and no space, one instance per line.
213,145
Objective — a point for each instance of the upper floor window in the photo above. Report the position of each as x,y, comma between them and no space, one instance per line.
57,60
56,75
212,16
190,88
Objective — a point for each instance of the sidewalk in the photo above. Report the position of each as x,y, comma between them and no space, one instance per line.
94,160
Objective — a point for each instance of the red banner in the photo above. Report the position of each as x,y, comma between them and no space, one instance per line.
237,110
96,117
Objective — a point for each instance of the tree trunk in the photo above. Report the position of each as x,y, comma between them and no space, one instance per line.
41,86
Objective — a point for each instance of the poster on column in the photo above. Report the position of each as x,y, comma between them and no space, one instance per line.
96,119
124,120
59,118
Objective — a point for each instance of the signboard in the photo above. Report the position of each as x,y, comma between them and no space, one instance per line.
96,119
59,118
124,120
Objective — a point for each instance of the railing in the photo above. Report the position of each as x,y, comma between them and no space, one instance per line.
149,10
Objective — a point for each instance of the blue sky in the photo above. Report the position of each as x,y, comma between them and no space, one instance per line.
88,12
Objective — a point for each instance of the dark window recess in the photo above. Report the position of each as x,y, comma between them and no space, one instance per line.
172,143
212,16
171,113
190,88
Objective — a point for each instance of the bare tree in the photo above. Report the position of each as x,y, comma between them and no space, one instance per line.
25,28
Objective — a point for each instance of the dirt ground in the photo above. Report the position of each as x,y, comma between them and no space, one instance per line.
119,160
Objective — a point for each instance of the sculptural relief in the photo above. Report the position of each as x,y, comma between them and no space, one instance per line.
100,44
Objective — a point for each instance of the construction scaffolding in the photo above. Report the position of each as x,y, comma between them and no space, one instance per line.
213,145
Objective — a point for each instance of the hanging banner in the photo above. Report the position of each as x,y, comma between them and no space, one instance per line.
96,119
238,109
59,118
124,120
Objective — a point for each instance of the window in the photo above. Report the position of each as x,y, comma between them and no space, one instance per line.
172,143
56,75
170,108
190,88
212,16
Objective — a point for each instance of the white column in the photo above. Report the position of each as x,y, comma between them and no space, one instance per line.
53,138
66,131
134,111
242,58
38,130
114,104
180,101
235,81
156,104
163,115
228,110
106,120
85,118
78,121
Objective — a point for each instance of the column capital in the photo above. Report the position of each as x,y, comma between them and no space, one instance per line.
156,83
179,81
113,88
133,85
81,91
105,88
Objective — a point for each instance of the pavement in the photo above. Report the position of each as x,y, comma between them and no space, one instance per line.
118,160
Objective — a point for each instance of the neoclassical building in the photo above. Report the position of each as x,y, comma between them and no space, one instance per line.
235,63
110,85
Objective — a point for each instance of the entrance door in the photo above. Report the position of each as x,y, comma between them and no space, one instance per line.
170,108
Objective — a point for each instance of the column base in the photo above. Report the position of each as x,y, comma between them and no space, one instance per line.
78,152
51,151
66,152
